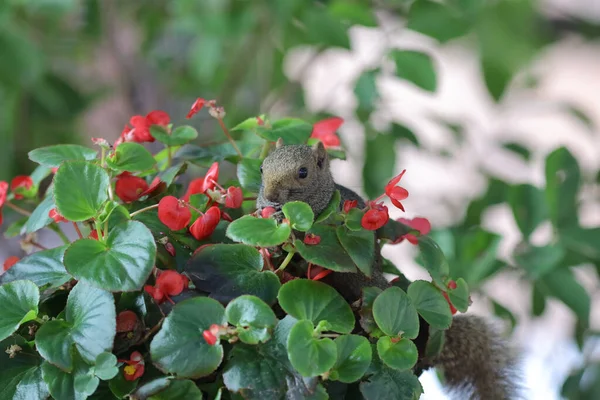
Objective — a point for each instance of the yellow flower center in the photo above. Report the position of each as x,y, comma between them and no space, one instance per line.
130,370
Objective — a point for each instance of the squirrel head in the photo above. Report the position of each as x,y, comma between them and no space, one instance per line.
297,173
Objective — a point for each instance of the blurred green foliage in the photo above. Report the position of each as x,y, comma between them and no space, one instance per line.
233,51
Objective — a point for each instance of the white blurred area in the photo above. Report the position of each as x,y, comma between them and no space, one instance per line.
440,188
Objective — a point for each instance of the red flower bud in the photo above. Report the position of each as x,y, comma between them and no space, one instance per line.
206,224
260,121
452,285
211,177
350,204
196,107
209,337
9,262
234,197
267,212
375,218
3,192
173,213
56,216
93,235
312,239
20,184
170,249
126,321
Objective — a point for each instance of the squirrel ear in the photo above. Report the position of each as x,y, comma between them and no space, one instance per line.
279,143
320,153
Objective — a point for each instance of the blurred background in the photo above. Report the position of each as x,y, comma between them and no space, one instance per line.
493,107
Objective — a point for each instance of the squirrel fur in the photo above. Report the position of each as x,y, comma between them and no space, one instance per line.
476,361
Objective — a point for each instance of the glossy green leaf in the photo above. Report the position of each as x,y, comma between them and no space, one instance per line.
416,67
179,389
122,263
316,301
332,206
80,188
430,304
299,214
90,325
106,366
329,253
179,347
400,355
53,156
227,271
460,296
39,218
388,383
20,302
291,130
65,385
433,259
262,232
360,246
248,172
395,314
248,123
132,157
20,375
254,318
180,135
42,268
353,358
309,355
528,206
353,219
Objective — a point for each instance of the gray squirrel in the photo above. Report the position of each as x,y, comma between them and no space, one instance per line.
476,361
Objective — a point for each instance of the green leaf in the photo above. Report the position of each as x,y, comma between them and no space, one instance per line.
528,206
168,175
561,284
39,218
299,214
182,135
562,187
53,156
80,188
65,385
416,67
248,124
518,149
248,172
122,263
227,271
436,20
388,383
435,343
132,157
583,241
121,387
106,366
309,355
20,302
380,158
154,386
395,314
90,324
316,301
42,268
460,296
353,358
430,304
291,130
260,232
366,93
400,132
400,355
20,376
179,389
360,246
179,347
332,206
321,27
14,229
253,318
433,259
353,13
31,386
329,253
538,261
353,219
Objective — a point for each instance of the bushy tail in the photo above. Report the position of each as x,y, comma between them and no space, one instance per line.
477,362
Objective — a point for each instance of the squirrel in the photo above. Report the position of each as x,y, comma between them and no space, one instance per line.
476,361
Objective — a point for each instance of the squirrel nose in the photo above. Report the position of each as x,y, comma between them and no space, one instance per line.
271,196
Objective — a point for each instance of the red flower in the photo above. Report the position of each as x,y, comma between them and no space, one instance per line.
206,224
260,121
196,107
9,262
234,197
267,212
130,188
126,321
195,187
419,224
168,283
350,204
210,338
211,177
141,125
325,131
20,184
3,193
56,216
93,235
173,213
135,366
316,272
312,239
376,217
396,193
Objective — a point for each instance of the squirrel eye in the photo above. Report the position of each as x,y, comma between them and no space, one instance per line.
302,173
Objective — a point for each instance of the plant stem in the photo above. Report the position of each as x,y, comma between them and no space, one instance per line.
99,231
169,157
286,261
18,209
331,335
141,210
265,150
62,235
110,191
77,229
39,246
226,132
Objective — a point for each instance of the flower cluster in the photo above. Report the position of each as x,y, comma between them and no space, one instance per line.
325,131
377,215
140,132
168,283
